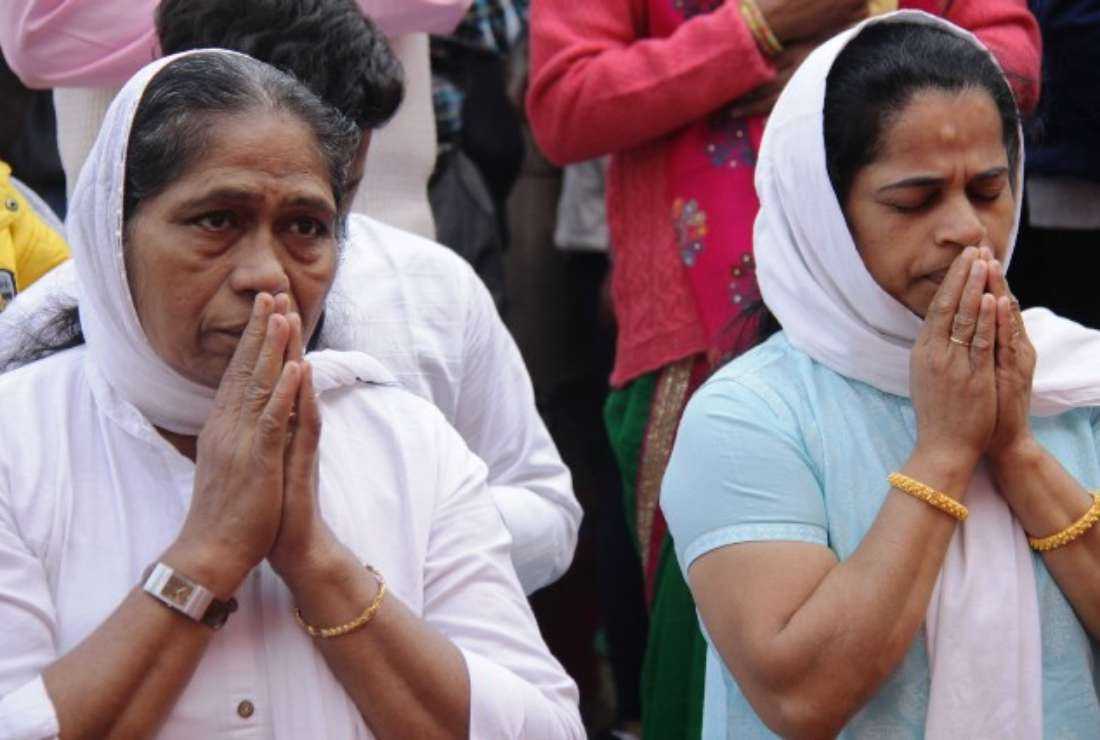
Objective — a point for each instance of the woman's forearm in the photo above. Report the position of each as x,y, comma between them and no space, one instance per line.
837,648
1046,499
124,678
406,678
600,85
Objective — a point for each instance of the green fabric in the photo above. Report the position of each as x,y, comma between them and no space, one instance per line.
675,664
674,674
626,414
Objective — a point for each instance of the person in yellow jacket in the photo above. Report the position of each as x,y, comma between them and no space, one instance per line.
29,248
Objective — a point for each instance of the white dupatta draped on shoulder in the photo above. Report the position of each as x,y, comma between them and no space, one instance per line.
983,623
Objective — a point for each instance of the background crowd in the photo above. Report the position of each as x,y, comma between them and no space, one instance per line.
593,163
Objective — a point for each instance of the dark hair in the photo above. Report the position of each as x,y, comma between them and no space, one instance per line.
329,45
172,127
172,124
876,75
871,81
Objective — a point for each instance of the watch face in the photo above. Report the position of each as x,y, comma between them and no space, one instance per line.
177,591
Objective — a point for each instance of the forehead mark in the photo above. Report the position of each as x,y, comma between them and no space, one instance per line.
948,133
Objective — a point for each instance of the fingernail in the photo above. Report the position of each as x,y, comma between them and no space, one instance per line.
976,269
969,252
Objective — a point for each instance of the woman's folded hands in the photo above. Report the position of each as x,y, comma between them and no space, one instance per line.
256,464
972,365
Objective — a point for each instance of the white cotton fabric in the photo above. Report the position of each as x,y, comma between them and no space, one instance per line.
983,624
90,493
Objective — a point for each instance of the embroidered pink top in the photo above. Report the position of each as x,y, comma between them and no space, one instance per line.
77,43
602,82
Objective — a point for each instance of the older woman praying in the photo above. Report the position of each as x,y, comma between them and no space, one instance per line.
852,501
182,551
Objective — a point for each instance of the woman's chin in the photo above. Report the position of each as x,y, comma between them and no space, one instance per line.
206,370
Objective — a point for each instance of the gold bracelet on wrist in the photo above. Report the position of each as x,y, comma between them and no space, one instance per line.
929,495
1070,533
759,28
357,623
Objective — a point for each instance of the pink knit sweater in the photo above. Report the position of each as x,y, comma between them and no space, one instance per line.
600,86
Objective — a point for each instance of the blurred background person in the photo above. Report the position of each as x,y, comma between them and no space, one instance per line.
31,242
85,50
678,92
28,143
29,246
478,129
1062,197
582,240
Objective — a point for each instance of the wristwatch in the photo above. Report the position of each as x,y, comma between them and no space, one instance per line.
179,592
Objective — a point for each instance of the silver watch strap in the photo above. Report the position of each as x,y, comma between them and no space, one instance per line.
178,591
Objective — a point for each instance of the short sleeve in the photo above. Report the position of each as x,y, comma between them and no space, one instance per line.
739,472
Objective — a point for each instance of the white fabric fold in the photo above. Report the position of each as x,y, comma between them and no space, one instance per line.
116,342
983,624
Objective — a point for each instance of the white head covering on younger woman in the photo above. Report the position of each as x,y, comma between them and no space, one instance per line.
983,623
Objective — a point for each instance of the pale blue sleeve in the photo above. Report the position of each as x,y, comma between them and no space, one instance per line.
739,472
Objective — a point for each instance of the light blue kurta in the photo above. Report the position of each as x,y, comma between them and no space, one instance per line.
776,446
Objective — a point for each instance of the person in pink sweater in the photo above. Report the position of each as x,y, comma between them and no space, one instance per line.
678,92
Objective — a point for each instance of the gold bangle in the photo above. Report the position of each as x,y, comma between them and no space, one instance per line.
929,495
1070,533
759,28
358,622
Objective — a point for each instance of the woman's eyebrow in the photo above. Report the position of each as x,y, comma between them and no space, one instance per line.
920,181
222,195
313,202
244,196
992,173
929,181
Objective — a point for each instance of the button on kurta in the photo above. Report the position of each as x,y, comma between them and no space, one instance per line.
246,709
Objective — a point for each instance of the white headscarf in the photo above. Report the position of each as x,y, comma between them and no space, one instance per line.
117,345
982,623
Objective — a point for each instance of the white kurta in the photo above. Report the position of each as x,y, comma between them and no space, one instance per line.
90,495
422,311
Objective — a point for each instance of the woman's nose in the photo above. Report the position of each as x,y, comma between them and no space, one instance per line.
259,267
961,226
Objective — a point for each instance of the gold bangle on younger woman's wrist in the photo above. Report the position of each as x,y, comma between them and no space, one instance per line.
357,623
1070,533
929,495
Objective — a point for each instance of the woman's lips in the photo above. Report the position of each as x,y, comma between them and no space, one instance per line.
225,340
